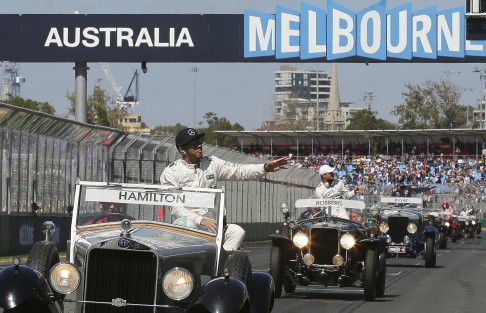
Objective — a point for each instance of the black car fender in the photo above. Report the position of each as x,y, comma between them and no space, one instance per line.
282,242
430,231
24,289
263,292
223,294
370,243
443,228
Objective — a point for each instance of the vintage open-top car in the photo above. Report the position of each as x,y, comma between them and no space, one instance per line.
470,225
408,233
126,254
320,249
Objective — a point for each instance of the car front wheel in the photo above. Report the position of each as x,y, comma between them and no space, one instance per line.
454,235
442,241
380,283
276,270
429,252
42,257
370,274
239,267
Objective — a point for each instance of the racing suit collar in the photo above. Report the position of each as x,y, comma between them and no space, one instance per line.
190,165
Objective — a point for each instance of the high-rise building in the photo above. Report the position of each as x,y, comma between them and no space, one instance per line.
299,94
309,99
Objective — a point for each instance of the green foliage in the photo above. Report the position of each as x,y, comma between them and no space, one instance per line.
167,130
32,104
431,105
366,119
213,123
101,110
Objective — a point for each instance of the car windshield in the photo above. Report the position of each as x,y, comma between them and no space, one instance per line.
409,203
318,208
103,204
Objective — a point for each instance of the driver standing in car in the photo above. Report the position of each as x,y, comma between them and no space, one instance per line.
331,188
196,170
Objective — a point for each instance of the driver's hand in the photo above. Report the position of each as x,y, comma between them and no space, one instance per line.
359,189
209,224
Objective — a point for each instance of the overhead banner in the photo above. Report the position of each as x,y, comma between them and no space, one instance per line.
304,34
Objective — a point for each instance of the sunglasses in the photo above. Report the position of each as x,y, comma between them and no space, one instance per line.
194,144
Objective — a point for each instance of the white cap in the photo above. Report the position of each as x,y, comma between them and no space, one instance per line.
325,169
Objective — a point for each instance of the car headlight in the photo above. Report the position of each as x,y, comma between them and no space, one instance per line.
388,239
337,260
447,224
347,241
412,228
308,259
473,222
178,283
406,239
64,278
467,222
300,240
384,227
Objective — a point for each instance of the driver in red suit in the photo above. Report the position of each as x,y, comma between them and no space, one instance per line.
106,208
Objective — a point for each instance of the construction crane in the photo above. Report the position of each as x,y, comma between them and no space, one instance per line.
130,99
11,83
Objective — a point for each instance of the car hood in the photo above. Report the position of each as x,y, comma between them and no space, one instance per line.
161,239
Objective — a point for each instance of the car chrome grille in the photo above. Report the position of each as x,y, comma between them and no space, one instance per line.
398,228
324,245
126,274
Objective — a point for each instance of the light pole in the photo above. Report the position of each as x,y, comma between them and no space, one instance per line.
194,69
317,98
368,98
482,76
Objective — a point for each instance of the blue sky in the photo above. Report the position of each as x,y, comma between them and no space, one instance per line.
242,93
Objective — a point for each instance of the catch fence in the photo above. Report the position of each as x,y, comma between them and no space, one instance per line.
43,156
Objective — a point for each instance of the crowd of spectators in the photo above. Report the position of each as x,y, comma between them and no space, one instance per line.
379,171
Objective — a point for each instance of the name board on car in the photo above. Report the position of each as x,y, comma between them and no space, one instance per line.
130,196
337,203
399,200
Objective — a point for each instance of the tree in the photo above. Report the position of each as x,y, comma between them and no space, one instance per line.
213,123
44,107
431,105
366,119
295,113
101,110
167,130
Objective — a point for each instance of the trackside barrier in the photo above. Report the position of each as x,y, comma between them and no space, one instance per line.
43,156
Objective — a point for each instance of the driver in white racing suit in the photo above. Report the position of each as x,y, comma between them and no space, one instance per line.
196,170
331,188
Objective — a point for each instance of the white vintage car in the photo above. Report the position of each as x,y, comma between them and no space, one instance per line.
126,254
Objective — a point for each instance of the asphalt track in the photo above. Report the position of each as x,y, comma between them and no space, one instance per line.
456,284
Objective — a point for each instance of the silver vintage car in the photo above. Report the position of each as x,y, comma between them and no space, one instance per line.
128,254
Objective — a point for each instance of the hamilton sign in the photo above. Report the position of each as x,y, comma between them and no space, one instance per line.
304,34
